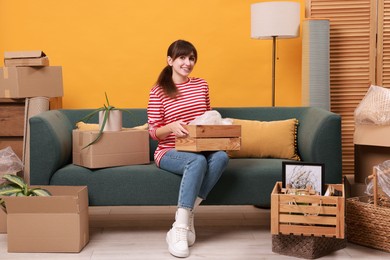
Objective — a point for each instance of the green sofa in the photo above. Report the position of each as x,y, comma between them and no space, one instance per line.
246,181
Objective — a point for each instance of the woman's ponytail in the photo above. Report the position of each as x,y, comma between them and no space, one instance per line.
165,81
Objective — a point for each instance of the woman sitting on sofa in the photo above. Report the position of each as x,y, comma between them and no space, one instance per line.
174,101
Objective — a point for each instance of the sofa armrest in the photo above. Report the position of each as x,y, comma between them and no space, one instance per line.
319,140
50,145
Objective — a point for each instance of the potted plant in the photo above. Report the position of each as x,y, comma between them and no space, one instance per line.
16,186
110,119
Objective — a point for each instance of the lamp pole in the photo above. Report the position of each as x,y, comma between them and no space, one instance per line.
273,68
271,20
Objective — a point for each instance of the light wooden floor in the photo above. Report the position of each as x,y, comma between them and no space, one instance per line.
223,232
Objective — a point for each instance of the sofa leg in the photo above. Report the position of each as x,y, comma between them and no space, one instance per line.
261,207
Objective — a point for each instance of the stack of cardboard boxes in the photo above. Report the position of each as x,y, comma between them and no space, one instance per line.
28,74
32,222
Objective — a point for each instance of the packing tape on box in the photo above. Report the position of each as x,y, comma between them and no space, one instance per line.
80,140
7,93
5,73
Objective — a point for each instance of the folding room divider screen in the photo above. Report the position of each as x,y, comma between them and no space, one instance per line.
357,60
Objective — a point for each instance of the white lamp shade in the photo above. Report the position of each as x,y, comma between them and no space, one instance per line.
280,19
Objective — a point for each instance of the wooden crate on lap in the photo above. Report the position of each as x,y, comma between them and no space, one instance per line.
210,138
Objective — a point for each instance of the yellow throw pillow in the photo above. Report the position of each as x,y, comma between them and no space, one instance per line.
95,127
267,139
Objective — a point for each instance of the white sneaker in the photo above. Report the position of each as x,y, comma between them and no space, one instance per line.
191,236
177,241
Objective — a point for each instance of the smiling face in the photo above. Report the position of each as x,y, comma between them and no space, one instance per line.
182,66
182,57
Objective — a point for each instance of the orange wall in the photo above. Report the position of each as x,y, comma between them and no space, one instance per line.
120,47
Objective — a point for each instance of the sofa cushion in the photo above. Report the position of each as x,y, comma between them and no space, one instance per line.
267,139
144,184
247,181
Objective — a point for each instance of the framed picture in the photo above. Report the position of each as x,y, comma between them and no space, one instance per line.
302,175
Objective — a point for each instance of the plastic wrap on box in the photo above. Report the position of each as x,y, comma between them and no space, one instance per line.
374,109
9,163
212,117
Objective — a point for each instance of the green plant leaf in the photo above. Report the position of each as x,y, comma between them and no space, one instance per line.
15,179
9,190
108,102
97,138
106,110
124,110
40,192
13,190
88,116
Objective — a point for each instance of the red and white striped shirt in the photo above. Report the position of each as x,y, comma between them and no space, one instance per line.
192,101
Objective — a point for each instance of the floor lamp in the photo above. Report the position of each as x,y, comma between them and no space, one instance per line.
271,20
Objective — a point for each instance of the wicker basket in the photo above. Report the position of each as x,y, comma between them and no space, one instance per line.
309,247
368,224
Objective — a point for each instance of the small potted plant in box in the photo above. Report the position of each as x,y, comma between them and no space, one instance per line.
16,186
110,119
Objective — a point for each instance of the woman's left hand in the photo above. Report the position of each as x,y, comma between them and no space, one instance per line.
177,128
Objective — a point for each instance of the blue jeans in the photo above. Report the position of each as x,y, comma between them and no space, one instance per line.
200,172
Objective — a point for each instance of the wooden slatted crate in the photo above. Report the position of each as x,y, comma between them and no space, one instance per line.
308,215
210,138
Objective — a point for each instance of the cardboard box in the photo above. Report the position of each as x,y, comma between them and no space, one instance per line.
58,223
372,147
25,58
22,82
353,189
375,135
3,221
126,147
210,138
366,157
